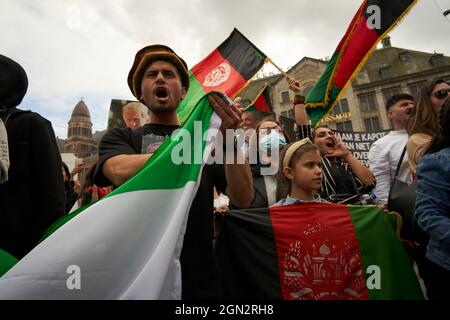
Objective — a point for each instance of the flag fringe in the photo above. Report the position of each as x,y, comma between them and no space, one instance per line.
371,51
399,222
358,68
336,66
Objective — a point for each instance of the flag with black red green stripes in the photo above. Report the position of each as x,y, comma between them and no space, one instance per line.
314,251
227,69
262,102
371,23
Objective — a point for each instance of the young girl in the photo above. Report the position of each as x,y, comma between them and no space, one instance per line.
300,173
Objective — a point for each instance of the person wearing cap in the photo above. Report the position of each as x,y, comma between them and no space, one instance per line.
159,79
33,198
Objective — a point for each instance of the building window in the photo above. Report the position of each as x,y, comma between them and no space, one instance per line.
344,126
403,56
368,102
291,114
386,72
414,88
341,107
388,93
337,108
372,124
285,97
437,60
344,105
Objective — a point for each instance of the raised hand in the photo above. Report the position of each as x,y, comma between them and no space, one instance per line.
340,149
229,113
294,85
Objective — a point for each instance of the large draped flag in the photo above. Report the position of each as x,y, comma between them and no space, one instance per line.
227,69
7,261
262,102
314,251
373,20
127,245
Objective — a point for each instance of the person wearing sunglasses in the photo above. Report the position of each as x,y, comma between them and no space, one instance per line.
424,122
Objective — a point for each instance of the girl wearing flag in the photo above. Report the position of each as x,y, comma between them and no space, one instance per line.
300,174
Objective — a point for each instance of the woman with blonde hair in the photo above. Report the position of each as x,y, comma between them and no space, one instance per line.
424,122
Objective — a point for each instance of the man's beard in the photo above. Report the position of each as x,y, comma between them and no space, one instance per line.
162,109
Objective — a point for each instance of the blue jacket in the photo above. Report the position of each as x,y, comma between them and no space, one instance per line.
433,204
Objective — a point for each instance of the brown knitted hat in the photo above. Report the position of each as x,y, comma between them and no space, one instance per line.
149,54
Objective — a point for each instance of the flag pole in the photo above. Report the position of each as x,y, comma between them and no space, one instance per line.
279,69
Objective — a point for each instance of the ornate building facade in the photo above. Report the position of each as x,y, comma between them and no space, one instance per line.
80,140
388,71
79,136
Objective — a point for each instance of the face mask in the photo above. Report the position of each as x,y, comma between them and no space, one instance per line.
273,140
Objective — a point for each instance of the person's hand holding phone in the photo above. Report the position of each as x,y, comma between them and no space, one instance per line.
229,111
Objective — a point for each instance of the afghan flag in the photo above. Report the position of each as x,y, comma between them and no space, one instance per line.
262,102
227,69
373,21
127,245
314,251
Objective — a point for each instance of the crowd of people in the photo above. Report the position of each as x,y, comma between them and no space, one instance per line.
316,167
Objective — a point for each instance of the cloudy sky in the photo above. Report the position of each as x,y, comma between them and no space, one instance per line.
78,48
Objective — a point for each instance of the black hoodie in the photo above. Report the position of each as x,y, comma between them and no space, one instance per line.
33,197
13,83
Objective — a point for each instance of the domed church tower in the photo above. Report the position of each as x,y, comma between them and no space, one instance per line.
79,137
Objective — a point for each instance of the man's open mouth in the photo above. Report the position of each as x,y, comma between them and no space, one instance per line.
330,144
161,93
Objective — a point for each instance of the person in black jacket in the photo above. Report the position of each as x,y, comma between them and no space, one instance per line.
33,197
